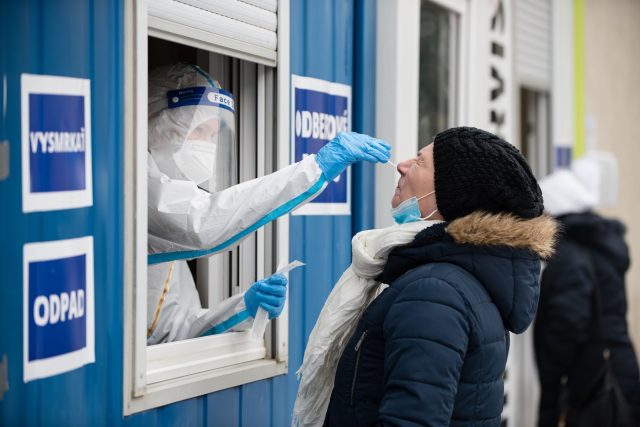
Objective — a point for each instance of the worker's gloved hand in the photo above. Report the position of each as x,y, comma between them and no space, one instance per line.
350,147
269,293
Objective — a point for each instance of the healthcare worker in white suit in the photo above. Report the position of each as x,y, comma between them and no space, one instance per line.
196,210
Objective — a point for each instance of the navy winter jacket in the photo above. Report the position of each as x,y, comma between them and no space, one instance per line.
591,248
431,349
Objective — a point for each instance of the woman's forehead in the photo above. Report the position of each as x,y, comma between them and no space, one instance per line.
424,152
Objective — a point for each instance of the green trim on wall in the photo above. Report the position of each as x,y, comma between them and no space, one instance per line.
579,78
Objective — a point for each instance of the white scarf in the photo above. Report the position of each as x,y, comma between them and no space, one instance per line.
340,315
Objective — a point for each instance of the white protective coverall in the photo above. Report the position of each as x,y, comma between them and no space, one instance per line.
187,221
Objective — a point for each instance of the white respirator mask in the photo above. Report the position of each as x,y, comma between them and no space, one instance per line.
196,161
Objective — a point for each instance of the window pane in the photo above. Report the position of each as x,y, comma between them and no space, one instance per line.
215,278
437,71
534,130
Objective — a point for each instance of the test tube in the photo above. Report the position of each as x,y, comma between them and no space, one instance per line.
262,317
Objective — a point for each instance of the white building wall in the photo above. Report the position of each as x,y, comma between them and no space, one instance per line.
397,67
612,80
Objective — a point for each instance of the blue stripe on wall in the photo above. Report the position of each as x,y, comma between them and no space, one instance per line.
364,111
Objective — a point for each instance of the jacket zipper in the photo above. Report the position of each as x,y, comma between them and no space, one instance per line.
355,373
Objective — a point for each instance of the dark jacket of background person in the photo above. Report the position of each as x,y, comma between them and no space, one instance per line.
431,349
564,329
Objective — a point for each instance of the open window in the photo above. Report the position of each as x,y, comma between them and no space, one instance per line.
235,42
439,61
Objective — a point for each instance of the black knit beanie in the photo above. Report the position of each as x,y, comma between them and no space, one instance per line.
476,170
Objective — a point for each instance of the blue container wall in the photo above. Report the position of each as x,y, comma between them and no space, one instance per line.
85,39
321,47
75,39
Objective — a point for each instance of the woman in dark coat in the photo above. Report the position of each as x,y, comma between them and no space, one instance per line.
431,349
591,253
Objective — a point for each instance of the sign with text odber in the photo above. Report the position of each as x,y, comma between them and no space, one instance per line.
320,110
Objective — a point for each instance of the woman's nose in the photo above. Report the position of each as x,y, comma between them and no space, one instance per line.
403,167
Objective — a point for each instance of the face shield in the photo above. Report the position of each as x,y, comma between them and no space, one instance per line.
193,136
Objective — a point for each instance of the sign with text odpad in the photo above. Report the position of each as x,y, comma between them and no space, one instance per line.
58,307
319,111
56,143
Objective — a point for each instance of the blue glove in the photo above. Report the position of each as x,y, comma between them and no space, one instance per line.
348,148
269,293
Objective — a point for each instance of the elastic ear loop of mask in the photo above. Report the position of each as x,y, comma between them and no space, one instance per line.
159,307
432,213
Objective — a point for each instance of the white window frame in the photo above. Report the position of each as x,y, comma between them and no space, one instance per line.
398,84
158,375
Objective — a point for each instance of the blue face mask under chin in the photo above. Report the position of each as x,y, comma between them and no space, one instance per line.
409,211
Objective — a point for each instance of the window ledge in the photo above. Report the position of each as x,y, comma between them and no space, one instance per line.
183,358
187,387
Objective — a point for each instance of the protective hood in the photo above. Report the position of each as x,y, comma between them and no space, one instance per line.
191,127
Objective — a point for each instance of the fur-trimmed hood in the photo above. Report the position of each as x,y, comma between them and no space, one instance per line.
501,251
481,228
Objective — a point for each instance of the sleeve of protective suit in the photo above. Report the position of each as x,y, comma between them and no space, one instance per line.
187,222
174,311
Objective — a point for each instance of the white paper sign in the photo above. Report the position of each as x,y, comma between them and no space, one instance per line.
56,143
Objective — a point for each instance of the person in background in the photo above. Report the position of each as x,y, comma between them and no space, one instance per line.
195,210
462,266
592,257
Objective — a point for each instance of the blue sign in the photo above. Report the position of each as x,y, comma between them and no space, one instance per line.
58,306
56,143
321,110
57,289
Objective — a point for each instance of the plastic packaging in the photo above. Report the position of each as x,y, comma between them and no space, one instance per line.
262,317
